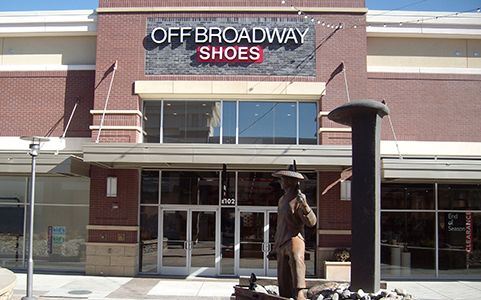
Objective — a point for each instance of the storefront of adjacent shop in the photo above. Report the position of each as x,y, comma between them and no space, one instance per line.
193,110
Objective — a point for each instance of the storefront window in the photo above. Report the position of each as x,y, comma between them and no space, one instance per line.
405,196
148,238
258,189
460,197
243,122
61,190
267,123
149,187
61,216
407,244
229,122
191,121
197,188
307,123
59,237
227,229
152,111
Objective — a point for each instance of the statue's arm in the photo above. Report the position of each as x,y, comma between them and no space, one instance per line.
305,212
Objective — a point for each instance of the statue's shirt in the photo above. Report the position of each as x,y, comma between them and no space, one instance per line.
291,220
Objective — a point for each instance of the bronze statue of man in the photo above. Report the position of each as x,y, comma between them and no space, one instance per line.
293,213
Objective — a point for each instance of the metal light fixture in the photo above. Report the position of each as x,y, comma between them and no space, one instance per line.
34,151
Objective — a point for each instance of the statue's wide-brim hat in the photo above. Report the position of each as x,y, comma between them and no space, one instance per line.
289,173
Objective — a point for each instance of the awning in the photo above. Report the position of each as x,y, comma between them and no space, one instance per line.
313,157
433,169
47,163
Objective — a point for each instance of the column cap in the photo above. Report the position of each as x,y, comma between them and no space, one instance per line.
343,114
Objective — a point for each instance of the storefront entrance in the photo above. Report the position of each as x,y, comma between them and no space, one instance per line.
255,238
189,241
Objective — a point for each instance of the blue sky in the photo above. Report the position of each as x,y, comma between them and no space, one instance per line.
432,5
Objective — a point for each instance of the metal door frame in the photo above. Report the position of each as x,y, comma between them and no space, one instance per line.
188,270
266,210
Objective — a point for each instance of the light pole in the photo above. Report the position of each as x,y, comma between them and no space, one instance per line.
34,150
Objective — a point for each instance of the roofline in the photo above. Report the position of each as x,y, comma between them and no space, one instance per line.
423,24
48,23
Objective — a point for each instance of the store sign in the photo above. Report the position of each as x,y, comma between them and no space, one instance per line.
56,239
229,44
251,45
469,232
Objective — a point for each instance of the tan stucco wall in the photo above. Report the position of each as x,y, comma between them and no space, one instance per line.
417,52
48,50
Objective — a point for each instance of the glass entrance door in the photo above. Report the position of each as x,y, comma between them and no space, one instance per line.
255,239
188,241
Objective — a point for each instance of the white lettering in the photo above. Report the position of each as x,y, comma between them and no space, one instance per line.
201,35
215,32
184,32
173,31
275,35
154,35
291,35
229,35
243,51
225,35
233,54
256,31
254,53
302,34
244,36
216,51
204,53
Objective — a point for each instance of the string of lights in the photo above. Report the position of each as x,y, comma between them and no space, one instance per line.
323,22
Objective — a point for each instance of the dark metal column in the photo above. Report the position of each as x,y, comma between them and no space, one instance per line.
364,116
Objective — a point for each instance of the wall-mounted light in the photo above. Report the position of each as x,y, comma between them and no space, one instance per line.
346,190
111,186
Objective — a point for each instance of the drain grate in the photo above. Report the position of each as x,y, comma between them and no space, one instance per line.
80,292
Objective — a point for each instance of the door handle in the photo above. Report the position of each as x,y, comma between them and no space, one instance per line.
186,247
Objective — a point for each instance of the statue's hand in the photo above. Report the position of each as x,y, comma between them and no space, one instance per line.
302,201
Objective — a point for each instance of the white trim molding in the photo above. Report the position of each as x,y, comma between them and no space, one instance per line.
48,23
423,24
183,89
424,70
116,112
116,127
359,10
39,67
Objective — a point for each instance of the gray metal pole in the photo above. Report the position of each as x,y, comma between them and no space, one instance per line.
34,148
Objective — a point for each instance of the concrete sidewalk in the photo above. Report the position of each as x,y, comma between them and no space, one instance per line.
96,287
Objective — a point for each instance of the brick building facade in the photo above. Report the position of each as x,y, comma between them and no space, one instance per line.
187,146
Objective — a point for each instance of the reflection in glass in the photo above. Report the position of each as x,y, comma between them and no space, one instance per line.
191,121
59,237
272,257
229,122
459,196
407,244
152,110
459,243
149,187
11,232
203,239
251,240
62,190
267,123
407,196
148,238
258,188
174,241
200,188
307,123
227,229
